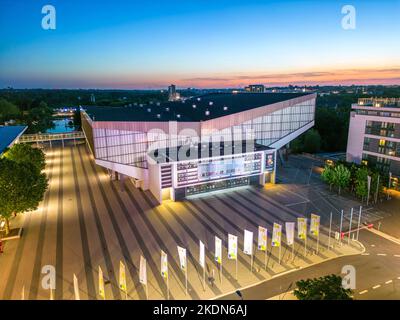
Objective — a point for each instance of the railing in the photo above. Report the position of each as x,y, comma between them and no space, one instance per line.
379,102
42,137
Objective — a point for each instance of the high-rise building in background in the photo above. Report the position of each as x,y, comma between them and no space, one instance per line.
92,98
255,88
374,134
172,94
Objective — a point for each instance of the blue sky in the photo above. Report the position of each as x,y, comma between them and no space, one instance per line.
149,44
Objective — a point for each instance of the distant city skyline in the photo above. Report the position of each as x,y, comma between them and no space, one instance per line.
202,44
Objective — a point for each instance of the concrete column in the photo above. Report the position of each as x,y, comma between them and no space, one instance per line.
262,179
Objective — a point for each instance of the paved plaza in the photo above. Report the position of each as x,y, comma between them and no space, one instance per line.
86,221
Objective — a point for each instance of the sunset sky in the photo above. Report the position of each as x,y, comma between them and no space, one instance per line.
197,43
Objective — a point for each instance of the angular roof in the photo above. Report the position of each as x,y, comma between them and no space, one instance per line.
8,134
209,106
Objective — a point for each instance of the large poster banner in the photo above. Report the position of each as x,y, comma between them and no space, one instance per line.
164,265
289,226
202,255
182,257
122,277
232,247
102,293
76,289
314,225
262,238
143,271
218,250
276,235
248,242
302,228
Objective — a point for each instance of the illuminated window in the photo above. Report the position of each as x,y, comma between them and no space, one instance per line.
382,142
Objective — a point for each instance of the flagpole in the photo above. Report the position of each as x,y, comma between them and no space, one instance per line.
359,222
341,227
265,258
186,290
167,286
251,259
293,251
351,220
204,279
220,271
279,253
236,269
330,230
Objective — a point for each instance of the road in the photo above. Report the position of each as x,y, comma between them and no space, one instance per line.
377,273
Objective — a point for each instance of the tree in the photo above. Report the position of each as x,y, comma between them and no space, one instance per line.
40,117
341,177
24,153
324,288
7,110
327,175
312,141
361,184
22,187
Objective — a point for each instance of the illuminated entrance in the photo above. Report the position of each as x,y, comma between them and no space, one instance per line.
217,185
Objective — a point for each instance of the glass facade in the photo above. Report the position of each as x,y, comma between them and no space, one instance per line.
130,148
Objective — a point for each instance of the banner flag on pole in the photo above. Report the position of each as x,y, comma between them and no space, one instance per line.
302,228
218,250
122,277
314,225
142,271
76,288
289,226
182,257
232,247
164,265
248,242
101,284
276,235
202,256
262,238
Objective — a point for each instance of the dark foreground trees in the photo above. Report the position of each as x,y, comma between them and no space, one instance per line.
323,288
22,187
24,153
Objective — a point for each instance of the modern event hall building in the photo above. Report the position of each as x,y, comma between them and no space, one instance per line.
181,148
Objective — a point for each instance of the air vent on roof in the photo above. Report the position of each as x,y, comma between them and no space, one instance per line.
148,109
141,105
207,112
211,103
167,109
158,115
194,106
158,103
